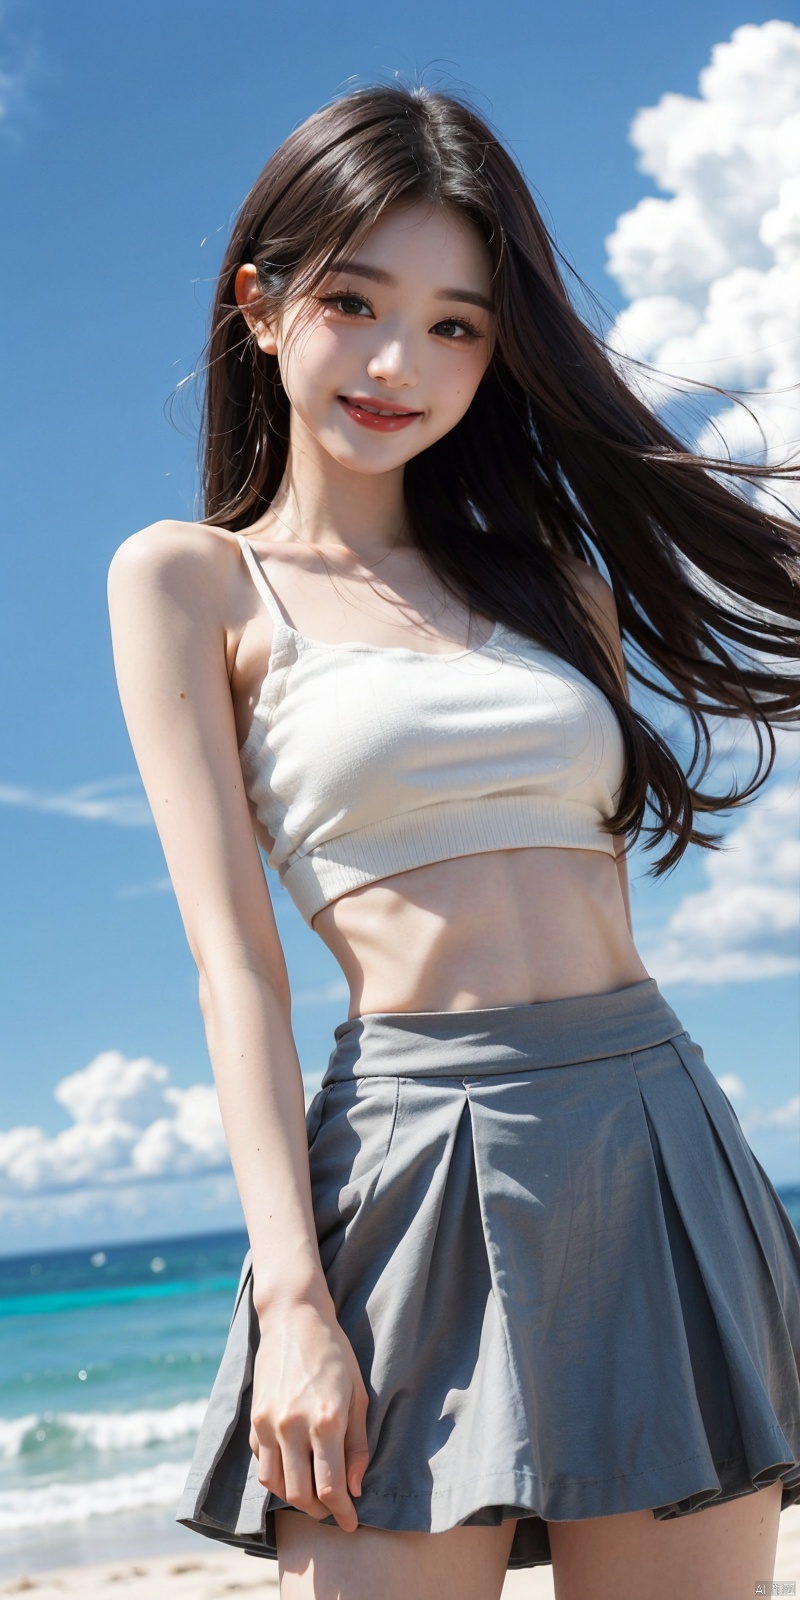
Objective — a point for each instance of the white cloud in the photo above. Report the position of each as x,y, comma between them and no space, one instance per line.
113,1085
130,1128
744,925
732,1086
713,272
118,800
774,1134
129,1125
780,1122
781,1119
190,1140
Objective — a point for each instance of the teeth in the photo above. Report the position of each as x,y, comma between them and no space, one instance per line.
358,405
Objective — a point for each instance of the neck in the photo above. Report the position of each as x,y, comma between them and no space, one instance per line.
325,503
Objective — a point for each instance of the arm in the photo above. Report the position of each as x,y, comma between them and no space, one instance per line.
169,587
602,615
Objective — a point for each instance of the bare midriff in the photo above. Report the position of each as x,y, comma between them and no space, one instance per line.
506,927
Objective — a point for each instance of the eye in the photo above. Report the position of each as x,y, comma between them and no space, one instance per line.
464,329
348,303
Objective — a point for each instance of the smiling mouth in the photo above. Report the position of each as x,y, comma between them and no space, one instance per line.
377,416
378,409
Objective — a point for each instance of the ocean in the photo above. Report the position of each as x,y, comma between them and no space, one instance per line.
107,1358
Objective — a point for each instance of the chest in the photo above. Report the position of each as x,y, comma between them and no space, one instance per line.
353,719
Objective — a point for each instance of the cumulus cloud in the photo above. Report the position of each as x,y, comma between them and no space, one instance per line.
713,271
130,1130
114,1086
744,925
129,1125
118,800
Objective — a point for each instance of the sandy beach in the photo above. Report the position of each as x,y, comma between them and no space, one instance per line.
208,1577
217,1573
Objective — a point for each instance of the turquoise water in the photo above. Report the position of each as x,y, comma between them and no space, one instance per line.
106,1363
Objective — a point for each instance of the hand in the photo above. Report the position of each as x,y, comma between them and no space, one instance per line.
308,1418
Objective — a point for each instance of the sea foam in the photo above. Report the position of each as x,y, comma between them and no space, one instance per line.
59,1503
99,1430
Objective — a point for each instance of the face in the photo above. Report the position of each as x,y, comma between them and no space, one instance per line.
385,356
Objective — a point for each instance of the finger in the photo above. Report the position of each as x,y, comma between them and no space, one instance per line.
297,1475
330,1478
356,1447
270,1470
261,1433
265,1449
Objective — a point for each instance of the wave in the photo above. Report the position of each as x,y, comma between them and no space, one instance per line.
57,1503
39,1432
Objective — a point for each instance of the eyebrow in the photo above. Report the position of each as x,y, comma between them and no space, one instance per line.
361,269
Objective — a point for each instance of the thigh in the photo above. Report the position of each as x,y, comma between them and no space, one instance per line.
721,1550
325,1563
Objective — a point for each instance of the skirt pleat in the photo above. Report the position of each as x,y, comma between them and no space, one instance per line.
744,1272
570,1286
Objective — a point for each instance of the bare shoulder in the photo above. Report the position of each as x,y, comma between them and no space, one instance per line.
601,610
592,583
168,588
193,552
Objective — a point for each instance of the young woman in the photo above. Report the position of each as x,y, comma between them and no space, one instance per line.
518,1291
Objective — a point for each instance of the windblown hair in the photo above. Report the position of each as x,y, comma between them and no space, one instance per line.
556,456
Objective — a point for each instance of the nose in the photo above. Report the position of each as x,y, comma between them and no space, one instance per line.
395,361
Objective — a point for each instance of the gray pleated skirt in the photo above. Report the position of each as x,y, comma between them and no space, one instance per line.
571,1288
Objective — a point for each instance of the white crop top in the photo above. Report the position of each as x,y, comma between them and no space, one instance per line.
365,760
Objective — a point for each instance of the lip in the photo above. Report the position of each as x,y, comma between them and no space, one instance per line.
383,416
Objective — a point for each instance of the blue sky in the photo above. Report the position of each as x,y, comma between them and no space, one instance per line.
131,134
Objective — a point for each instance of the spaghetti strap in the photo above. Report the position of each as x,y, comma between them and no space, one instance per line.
259,578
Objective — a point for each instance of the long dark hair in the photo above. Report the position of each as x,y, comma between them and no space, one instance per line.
556,454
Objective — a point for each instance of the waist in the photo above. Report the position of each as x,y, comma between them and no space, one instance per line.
495,929
502,1039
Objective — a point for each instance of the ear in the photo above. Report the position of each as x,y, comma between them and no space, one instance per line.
250,299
